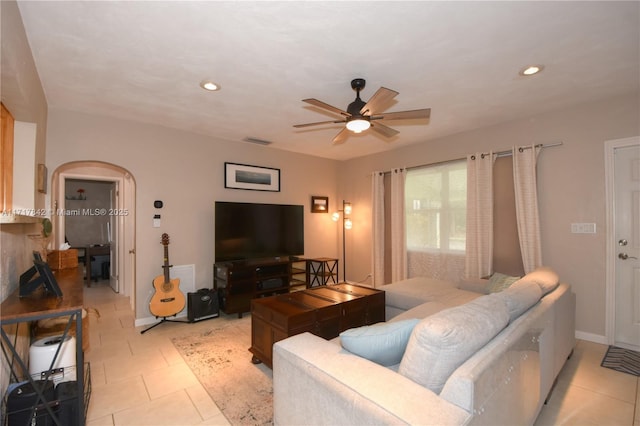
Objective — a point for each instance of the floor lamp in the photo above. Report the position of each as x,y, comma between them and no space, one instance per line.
346,224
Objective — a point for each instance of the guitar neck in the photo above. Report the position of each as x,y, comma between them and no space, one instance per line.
166,265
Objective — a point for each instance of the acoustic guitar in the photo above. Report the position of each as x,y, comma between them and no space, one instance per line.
168,300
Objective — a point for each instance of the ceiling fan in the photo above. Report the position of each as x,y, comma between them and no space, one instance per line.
361,115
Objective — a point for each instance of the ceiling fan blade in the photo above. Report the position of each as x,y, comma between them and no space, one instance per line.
384,130
341,137
405,115
378,100
318,123
326,106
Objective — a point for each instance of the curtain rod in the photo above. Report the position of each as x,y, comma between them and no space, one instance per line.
504,153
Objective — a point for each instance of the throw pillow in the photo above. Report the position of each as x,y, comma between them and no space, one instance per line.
383,343
545,277
444,341
499,282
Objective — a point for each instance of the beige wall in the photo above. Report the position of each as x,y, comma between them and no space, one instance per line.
571,189
23,96
185,171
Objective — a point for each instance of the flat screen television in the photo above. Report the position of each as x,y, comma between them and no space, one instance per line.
253,231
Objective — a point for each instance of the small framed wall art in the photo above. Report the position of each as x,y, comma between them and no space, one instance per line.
254,178
319,204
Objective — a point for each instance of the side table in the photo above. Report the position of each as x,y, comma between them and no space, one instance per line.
322,271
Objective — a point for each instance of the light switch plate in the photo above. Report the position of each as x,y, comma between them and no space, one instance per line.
583,228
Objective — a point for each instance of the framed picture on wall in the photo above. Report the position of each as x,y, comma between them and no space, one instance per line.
254,178
319,204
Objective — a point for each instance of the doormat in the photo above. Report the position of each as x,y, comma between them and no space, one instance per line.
220,359
623,360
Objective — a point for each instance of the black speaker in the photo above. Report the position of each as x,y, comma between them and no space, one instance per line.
202,305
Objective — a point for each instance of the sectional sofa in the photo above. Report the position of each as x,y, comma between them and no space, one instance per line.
448,354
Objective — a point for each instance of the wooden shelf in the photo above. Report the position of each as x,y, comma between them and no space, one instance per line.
321,271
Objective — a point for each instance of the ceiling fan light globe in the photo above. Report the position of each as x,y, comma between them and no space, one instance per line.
358,125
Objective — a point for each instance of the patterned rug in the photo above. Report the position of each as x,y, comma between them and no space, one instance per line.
624,360
220,359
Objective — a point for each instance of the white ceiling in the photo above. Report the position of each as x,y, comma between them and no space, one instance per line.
144,61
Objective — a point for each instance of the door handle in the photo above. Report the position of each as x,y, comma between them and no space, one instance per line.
625,256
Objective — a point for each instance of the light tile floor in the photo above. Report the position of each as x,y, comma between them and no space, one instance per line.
140,379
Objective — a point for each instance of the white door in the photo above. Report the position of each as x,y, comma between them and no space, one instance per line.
114,228
627,242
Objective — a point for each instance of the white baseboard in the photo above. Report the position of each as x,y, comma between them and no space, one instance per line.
595,338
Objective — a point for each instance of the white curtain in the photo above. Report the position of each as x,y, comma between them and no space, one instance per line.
377,201
479,240
524,181
398,230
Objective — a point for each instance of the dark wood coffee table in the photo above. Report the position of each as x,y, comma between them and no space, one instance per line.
325,311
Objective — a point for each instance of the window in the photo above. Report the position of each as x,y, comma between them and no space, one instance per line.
436,202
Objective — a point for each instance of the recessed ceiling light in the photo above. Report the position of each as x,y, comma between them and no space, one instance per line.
209,85
531,69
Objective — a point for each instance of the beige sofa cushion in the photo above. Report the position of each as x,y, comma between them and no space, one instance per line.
442,342
409,293
521,296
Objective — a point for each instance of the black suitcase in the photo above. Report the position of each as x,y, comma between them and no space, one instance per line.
66,393
203,304
24,408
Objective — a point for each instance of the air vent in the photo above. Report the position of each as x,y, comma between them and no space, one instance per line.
257,141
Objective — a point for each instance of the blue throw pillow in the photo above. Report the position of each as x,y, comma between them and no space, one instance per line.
383,343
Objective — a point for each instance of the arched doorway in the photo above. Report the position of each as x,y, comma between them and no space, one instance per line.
121,217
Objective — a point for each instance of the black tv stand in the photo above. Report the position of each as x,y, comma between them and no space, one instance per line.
240,281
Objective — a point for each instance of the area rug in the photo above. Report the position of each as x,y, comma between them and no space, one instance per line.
220,359
623,360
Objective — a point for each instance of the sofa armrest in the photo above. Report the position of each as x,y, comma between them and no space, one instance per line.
317,382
